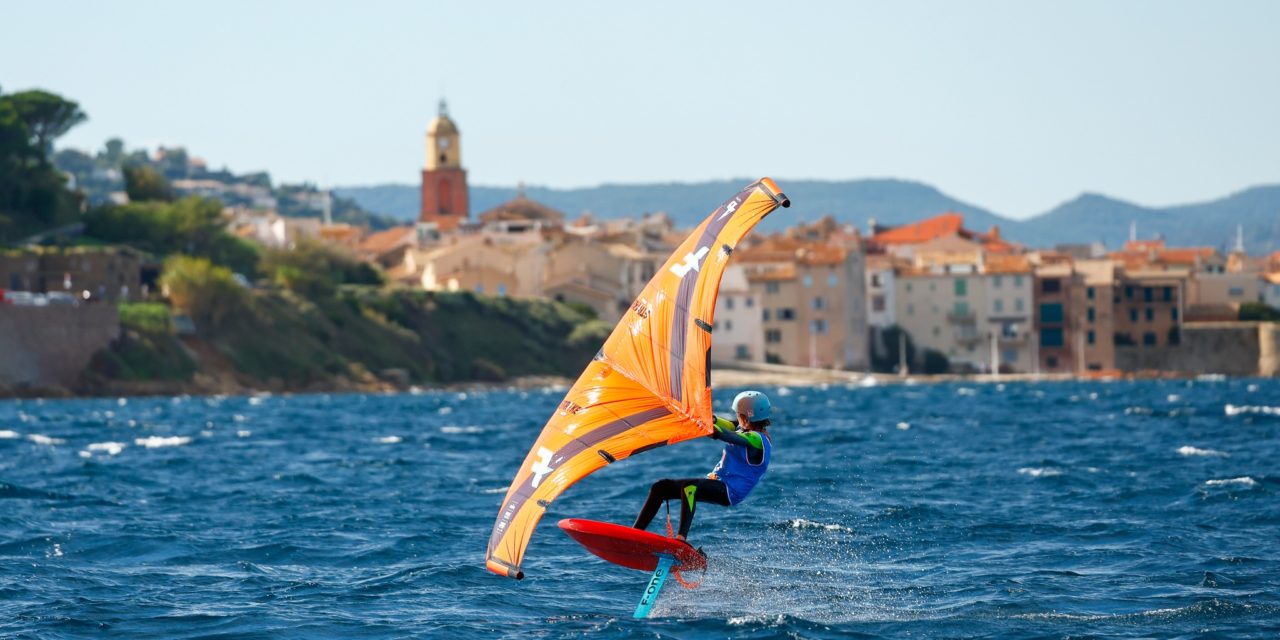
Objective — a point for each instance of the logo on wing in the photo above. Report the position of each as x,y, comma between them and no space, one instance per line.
541,466
692,262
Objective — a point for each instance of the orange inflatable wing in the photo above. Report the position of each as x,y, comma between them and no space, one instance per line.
649,386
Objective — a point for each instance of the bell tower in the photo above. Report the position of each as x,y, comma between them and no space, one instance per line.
444,181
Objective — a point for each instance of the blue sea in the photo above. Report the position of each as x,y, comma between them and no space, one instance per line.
1020,510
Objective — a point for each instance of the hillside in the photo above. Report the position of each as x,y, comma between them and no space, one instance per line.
854,201
361,338
1086,218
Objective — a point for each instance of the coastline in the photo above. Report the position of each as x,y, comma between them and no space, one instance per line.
756,375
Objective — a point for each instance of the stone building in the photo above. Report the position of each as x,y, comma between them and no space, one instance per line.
812,301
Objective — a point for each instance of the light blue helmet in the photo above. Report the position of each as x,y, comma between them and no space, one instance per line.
758,407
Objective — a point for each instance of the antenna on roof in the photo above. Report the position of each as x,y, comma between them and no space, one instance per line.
1133,230
328,207
1239,238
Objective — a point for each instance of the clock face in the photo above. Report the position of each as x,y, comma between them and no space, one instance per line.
444,143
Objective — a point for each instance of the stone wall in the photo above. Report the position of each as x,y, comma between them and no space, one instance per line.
1231,348
50,346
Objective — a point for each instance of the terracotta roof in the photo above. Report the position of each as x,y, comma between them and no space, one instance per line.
522,208
1007,264
340,232
388,240
1143,245
786,249
1188,256
783,272
922,231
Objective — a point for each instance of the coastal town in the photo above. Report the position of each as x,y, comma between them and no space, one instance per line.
929,297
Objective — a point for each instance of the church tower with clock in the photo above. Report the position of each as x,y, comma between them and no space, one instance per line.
444,181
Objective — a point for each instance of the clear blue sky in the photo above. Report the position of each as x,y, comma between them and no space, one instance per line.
1015,106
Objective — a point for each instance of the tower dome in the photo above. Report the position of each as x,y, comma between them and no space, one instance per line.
442,124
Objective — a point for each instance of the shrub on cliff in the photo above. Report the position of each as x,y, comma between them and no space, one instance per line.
192,226
315,269
206,292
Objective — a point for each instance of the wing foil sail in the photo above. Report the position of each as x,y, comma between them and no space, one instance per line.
648,387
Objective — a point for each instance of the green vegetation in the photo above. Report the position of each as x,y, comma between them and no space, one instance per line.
203,290
145,316
33,194
885,357
315,269
146,350
433,337
1259,312
192,225
143,184
326,322
936,362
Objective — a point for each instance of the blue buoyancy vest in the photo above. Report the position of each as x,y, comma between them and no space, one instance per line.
737,472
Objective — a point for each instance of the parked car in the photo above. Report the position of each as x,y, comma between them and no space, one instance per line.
61,298
22,298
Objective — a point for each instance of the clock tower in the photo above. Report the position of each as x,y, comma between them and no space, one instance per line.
444,181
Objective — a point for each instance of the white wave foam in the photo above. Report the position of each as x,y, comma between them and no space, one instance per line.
45,440
903,426
801,523
1040,472
154,442
444,411
498,490
243,433
6,434
761,618
1189,450
1242,480
1173,397
966,391
466,429
1233,410
110,448
389,440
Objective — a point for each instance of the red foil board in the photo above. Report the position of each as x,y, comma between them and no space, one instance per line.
630,547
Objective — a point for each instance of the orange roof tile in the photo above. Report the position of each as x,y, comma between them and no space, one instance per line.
784,272
1190,255
1143,245
387,240
1007,264
922,231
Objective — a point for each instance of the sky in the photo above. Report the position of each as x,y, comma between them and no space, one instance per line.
1013,106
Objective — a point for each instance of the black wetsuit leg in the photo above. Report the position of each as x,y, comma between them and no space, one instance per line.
689,491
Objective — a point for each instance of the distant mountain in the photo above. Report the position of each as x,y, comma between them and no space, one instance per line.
1207,224
1087,218
853,201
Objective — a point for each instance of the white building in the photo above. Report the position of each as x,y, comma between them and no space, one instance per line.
880,291
738,330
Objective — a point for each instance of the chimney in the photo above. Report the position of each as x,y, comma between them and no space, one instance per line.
871,227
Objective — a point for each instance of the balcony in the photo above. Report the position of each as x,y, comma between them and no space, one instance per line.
961,317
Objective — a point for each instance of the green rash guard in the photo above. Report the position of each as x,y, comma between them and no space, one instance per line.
727,431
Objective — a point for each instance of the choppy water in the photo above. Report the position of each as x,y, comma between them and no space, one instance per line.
1025,510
